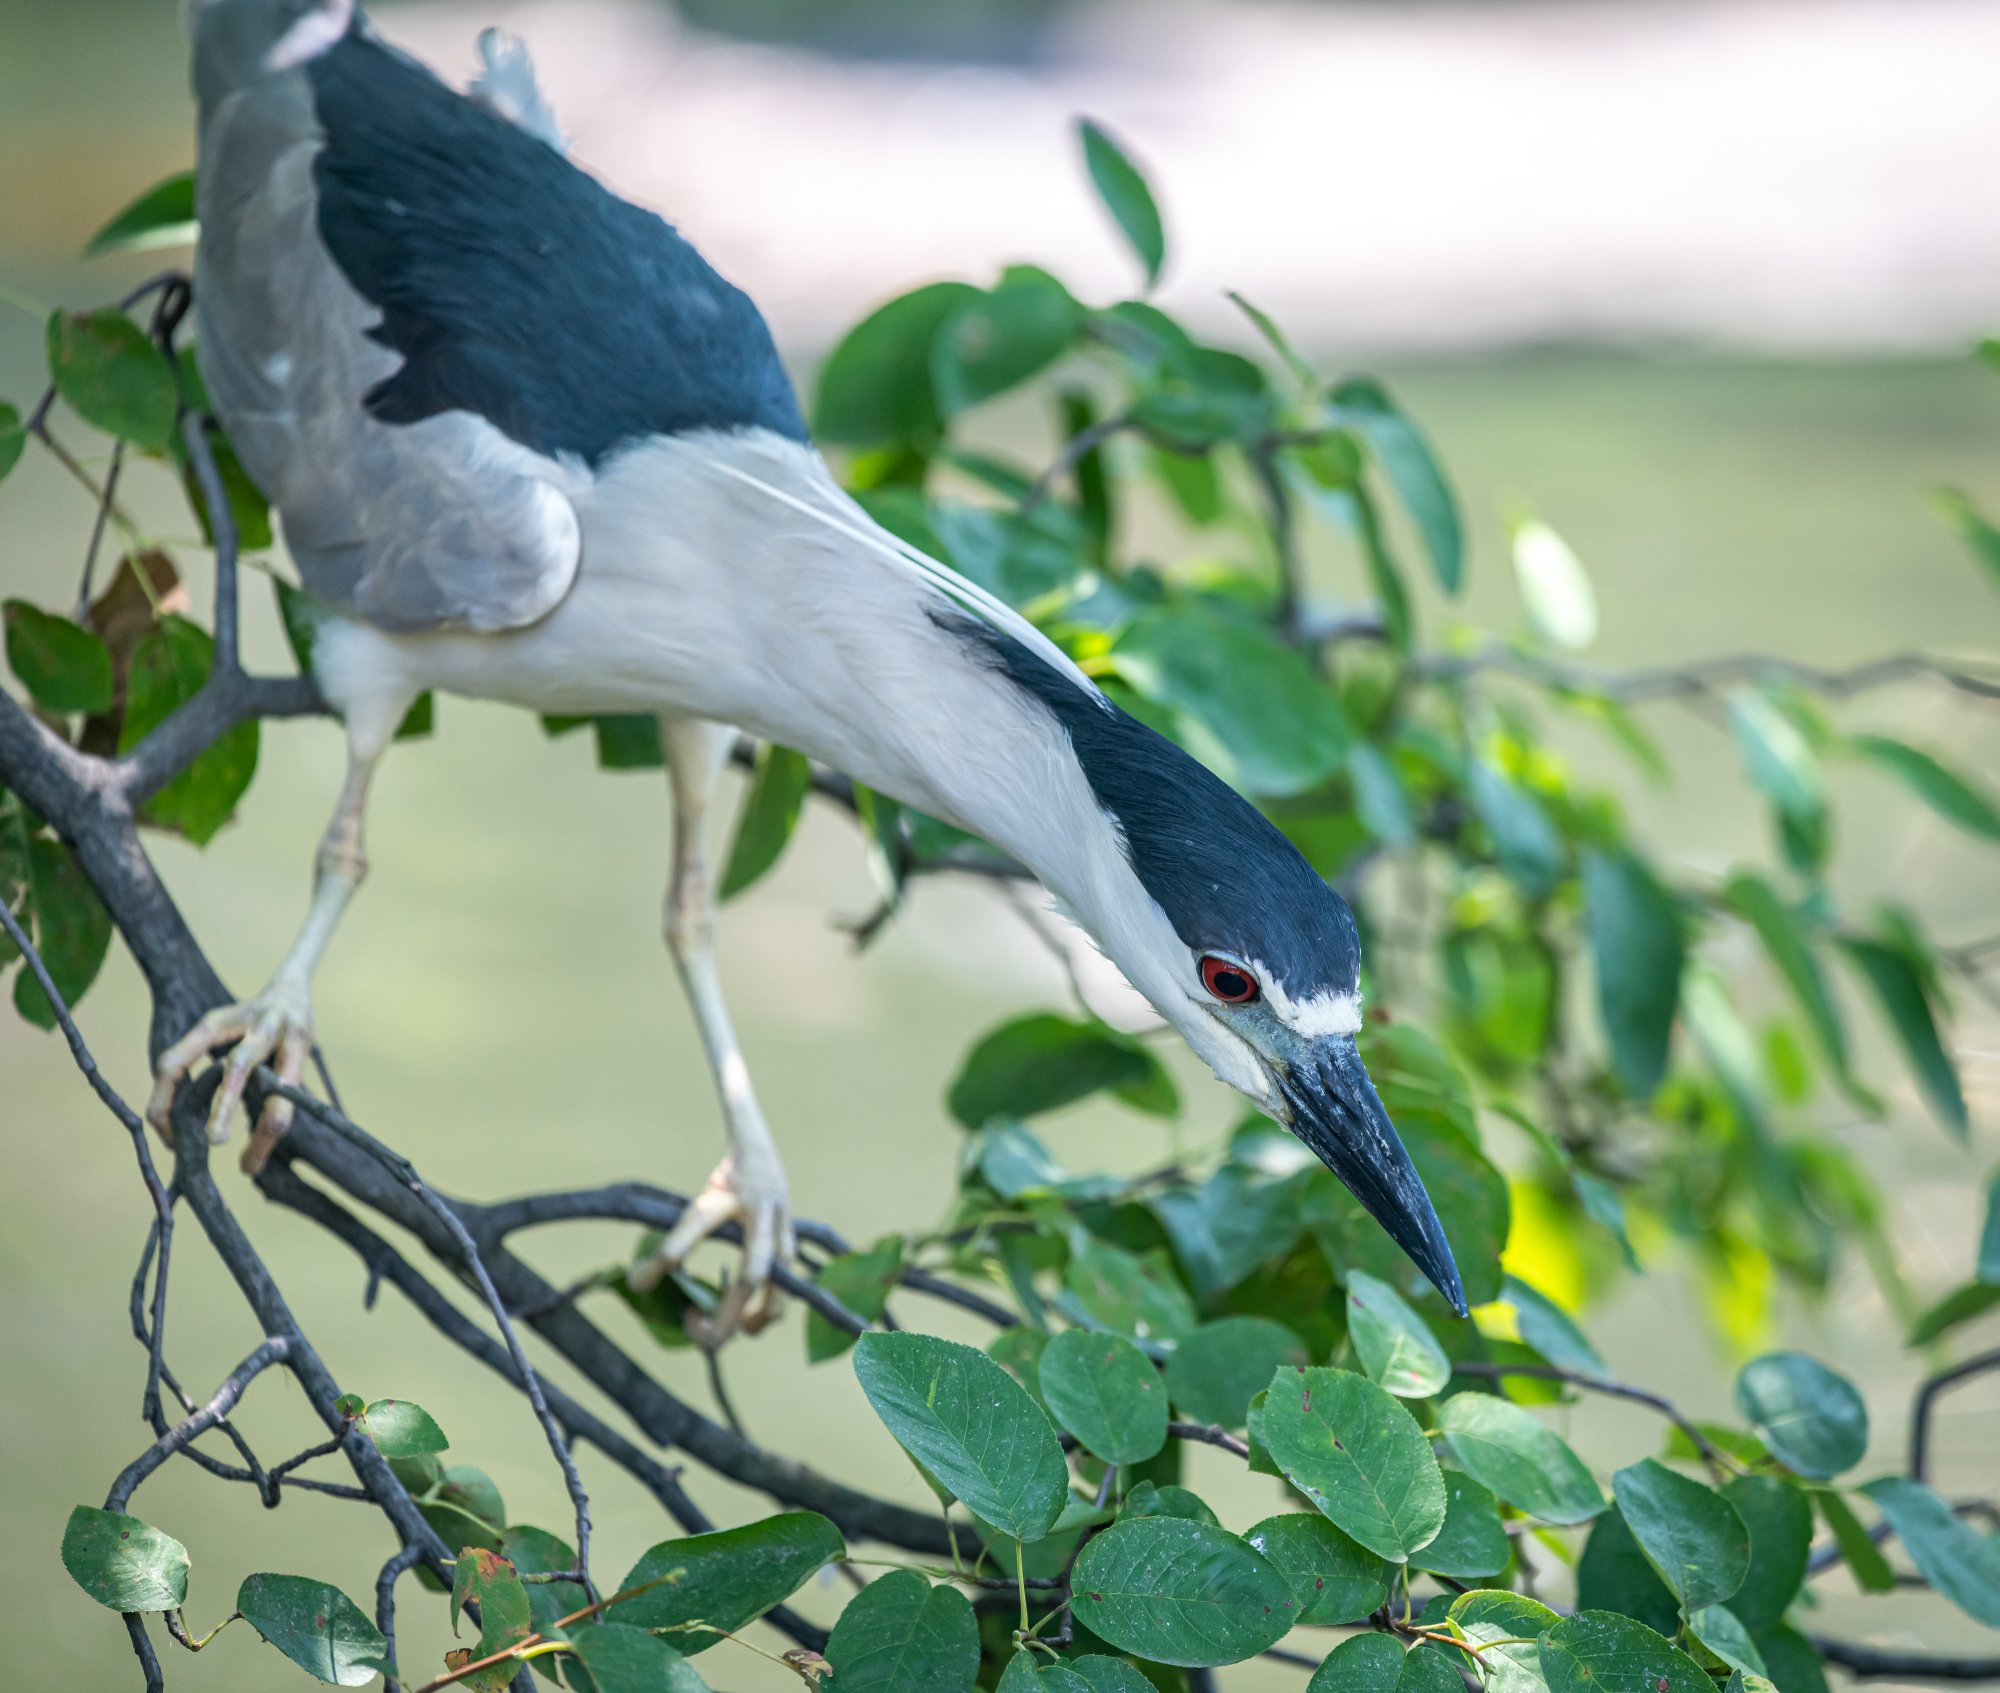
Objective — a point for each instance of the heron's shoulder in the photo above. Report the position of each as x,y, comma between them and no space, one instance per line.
513,284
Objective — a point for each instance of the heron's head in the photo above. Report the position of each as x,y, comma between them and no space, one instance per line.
1239,943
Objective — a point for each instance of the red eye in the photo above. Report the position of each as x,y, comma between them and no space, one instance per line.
1230,983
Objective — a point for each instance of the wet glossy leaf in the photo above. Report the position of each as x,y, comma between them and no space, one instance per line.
317,1626
619,1658
1395,1345
727,1578
64,667
1614,1575
1488,1615
1960,1563
401,1429
1514,1453
1637,954
1042,1062
901,1634
1216,1371
969,1424
163,216
112,376
63,917
1413,471
875,386
1950,793
1126,196
1103,1390
1813,1419
1779,1519
1179,1592
1472,1543
998,339
1597,1652
771,808
1555,588
1862,1556
1335,1579
124,1563
1358,1455
1246,704
1689,1532
169,666
1899,990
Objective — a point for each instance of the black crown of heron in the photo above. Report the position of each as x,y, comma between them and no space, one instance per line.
526,445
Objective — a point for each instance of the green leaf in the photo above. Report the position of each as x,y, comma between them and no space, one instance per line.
1358,1455
1722,1633
1555,588
1597,1652
1524,840
1690,1533
1042,1062
1962,1565
1473,1542
1218,1369
1103,1390
1377,1663
482,1577
1779,1519
317,1626
1126,196
1512,1452
1395,1345
1380,799
1781,766
875,387
771,808
1953,796
460,1529
1614,1575
1980,536
1335,1579
1140,1298
1180,1592
123,1563
64,667
1150,1499
969,1424
1785,939
1413,471
1860,1553
65,919
1900,991
619,1658
163,216
1489,1615
401,1429
1810,1417
1246,703
535,1551
861,1281
1637,953
112,376
1551,1330
730,1577
1961,1305
169,666
998,340
1792,1661
1106,1674
902,1635
1238,1221
13,439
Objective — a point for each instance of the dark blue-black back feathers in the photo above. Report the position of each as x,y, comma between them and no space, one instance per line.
516,287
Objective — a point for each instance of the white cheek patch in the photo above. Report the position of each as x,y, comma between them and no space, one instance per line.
1325,1013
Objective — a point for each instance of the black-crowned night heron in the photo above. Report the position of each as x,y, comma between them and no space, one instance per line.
528,446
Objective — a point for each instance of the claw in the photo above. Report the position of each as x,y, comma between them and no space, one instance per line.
274,1028
758,1200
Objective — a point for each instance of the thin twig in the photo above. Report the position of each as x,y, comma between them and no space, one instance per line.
1210,1434
1925,1404
1711,1455
274,1350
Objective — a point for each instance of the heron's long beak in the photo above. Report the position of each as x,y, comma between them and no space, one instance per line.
1335,1110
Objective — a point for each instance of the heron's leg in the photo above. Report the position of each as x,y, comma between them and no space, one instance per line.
276,1026
748,1186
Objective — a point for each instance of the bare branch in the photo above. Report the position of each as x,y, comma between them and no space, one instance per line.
1925,1404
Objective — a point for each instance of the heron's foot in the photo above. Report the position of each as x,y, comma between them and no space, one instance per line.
275,1028
748,1189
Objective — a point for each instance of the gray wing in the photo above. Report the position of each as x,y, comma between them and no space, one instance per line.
441,522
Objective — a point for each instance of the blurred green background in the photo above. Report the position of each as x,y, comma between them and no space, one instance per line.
499,1004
